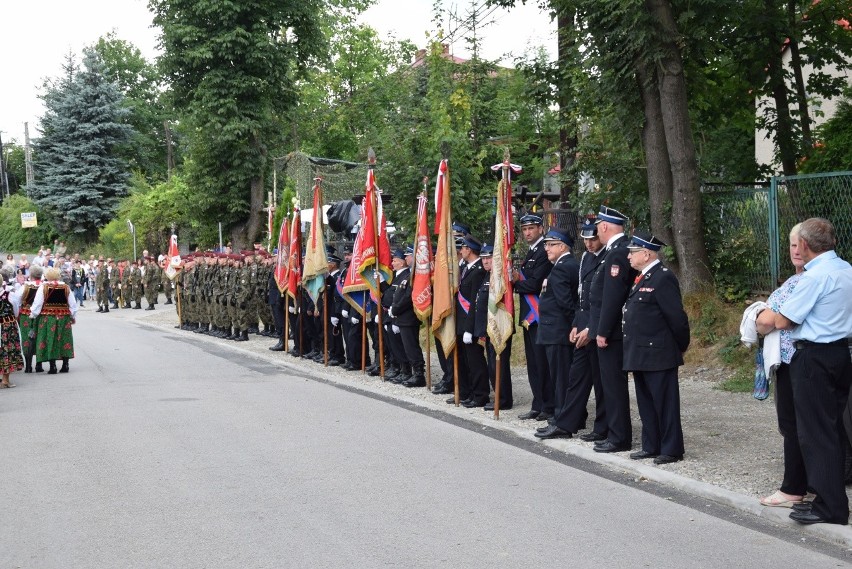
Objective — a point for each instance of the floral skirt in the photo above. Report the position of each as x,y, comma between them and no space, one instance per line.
54,339
27,343
11,358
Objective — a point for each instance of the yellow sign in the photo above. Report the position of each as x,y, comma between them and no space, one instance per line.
28,219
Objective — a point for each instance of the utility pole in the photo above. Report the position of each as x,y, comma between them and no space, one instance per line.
28,155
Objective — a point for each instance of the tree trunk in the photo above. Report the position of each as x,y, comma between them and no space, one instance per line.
567,127
796,66
658,168
776,86
687,219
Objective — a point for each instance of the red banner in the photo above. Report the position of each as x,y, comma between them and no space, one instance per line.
421,291
294,277
282,261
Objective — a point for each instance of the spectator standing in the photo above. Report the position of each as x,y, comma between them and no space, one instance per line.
819,314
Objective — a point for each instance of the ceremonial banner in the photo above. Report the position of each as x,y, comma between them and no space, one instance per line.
295,266
355,289
446,267
421,281
501,300
173,259
316,257
282,261
375,264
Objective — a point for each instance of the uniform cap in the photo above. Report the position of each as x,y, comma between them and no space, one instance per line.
332,258
486,251
531,219
460,227
409,250
644,240
399,253
589,230
611,215
472,243
559,234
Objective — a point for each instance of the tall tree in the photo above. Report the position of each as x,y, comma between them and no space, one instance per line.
80,179
232,66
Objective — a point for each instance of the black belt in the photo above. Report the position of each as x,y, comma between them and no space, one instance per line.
802,344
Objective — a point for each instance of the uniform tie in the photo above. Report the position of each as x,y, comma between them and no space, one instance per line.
637,279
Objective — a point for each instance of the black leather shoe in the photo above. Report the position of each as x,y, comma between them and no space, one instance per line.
150,307
334,363
607,446
544,416
415,381
374,372
490,407
531,414
348,366
802,507
279,347
442,388
667,459
592,437
472,403
553,432
807,518
640,454
462,400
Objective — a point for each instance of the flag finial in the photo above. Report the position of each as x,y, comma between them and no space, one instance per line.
371,157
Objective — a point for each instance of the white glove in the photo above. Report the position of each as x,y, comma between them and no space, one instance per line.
376,319
335,320
390,311
395,329
354,320
344,313
292,310
467,338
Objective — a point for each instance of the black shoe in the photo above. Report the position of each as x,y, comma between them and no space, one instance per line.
168,301
28,369
807,518
348,366
443,388
592,437
489,406
138,306
334,363
374,372
473,403
106,309
99,309
607,446
462,400
52,369
416,381
319,358
531,414
115,306
150,307
279,347
544,416
64,368
39,368
553,432
666,459
640,454
802,507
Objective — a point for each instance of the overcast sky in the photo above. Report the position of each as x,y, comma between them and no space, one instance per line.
36,35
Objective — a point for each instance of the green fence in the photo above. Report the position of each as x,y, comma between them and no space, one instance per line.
747,226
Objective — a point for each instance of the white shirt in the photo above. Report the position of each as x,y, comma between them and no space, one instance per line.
612,240
38,303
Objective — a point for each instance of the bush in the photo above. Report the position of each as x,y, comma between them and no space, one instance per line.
13,237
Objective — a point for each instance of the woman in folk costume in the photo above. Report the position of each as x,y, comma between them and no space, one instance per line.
11,358
24,298
54,310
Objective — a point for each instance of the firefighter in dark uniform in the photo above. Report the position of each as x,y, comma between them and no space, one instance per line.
473,384
398,367
336,352
610,286
527,283
480,333
557,307
585,374
405,320
656,334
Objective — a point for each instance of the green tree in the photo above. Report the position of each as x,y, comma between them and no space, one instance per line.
80,179
833,149
232,67
16,238
145,97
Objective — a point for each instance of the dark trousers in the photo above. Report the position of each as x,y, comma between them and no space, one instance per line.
616,394
585,374
559,366
445,363
506,399
410,336
538,373
278,317
563,379
476,386
346,332
335,343
658,399
795,480
355,338
821,377
294,330
397,348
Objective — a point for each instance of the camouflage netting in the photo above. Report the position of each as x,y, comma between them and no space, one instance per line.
341,180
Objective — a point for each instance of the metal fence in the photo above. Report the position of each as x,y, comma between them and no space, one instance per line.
746,226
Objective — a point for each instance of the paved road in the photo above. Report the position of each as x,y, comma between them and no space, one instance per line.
162,450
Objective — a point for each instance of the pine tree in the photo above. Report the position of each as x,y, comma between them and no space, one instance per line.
79,177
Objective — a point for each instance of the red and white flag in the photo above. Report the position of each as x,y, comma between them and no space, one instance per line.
173,264
282,261
421,282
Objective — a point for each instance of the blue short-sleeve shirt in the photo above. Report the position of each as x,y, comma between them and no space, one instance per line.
821,303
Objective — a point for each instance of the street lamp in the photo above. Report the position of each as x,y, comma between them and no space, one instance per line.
132,232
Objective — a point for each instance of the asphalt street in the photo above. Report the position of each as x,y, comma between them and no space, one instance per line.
165,450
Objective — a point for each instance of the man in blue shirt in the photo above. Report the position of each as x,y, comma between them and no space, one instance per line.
819,315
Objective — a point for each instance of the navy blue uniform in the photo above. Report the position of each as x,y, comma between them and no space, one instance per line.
476,375
656,333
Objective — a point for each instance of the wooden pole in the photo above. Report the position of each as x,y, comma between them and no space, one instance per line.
177,295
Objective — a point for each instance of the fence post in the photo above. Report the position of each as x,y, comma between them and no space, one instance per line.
774,239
